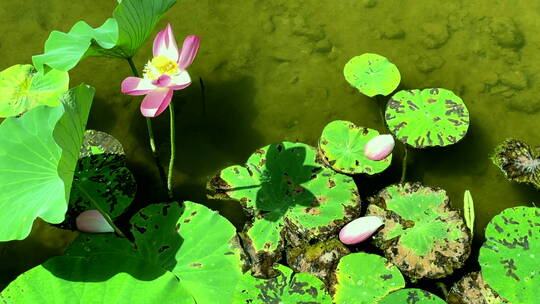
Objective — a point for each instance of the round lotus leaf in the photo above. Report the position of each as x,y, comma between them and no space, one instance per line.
22,88
196,244
287,287
509,257
518,161
372,74
342,148
472,289
363,278
411,296
422,236
290,196
427,118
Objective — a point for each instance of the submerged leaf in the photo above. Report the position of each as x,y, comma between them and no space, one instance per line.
509,257
287,287
363,278
372,74
472,289
22,89
427,118
421,235
342,147
38,154
518,161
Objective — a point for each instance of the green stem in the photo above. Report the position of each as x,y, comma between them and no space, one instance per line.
155,152
103,213
404,165
173,148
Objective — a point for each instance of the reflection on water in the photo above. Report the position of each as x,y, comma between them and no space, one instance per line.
273,72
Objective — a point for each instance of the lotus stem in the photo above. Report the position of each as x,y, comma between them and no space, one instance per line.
173,151
155,152
203,96
404,164
103,213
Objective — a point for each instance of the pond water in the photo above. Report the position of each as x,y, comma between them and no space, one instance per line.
273,71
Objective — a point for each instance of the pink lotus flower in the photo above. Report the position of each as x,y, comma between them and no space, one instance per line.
360,229
92,221
379,147
165,73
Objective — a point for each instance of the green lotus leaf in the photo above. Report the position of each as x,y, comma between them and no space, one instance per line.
509,257
101,177
120,36
518,161
365,278
427,118
422,236
97,269
290,195
22,89
372,74
342,147
38,155
287,287
196,244
472,289
411,295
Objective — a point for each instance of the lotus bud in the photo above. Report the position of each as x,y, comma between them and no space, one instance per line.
93,222
360,229
379,147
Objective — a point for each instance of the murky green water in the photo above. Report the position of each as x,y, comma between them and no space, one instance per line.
273,72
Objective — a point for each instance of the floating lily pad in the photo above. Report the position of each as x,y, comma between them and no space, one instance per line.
290,196
472,289
21,89
518,161
101,177
342,148
363,278
509,257
288,287
422,236
427,118
372,74
411,296
38,154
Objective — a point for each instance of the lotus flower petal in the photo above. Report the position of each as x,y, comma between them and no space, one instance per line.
165,44
189,51
93,222
379,147
360,229
156,102
137,86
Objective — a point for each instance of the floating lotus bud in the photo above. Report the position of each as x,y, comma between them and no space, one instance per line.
518,161
360,229
92,221
379,147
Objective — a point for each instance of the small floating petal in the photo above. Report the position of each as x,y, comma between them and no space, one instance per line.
379,147
93,222
360,229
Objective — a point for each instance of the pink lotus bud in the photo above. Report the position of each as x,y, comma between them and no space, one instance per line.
92,221
379,147
360,229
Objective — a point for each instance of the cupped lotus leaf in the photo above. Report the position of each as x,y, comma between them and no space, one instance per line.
38,155
518,161
365,278
342,148
472,289
422,236
101,177
119,37
22,88
282,184
509,257
412,296
196,244
427,118
372,74
97,269
287,287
